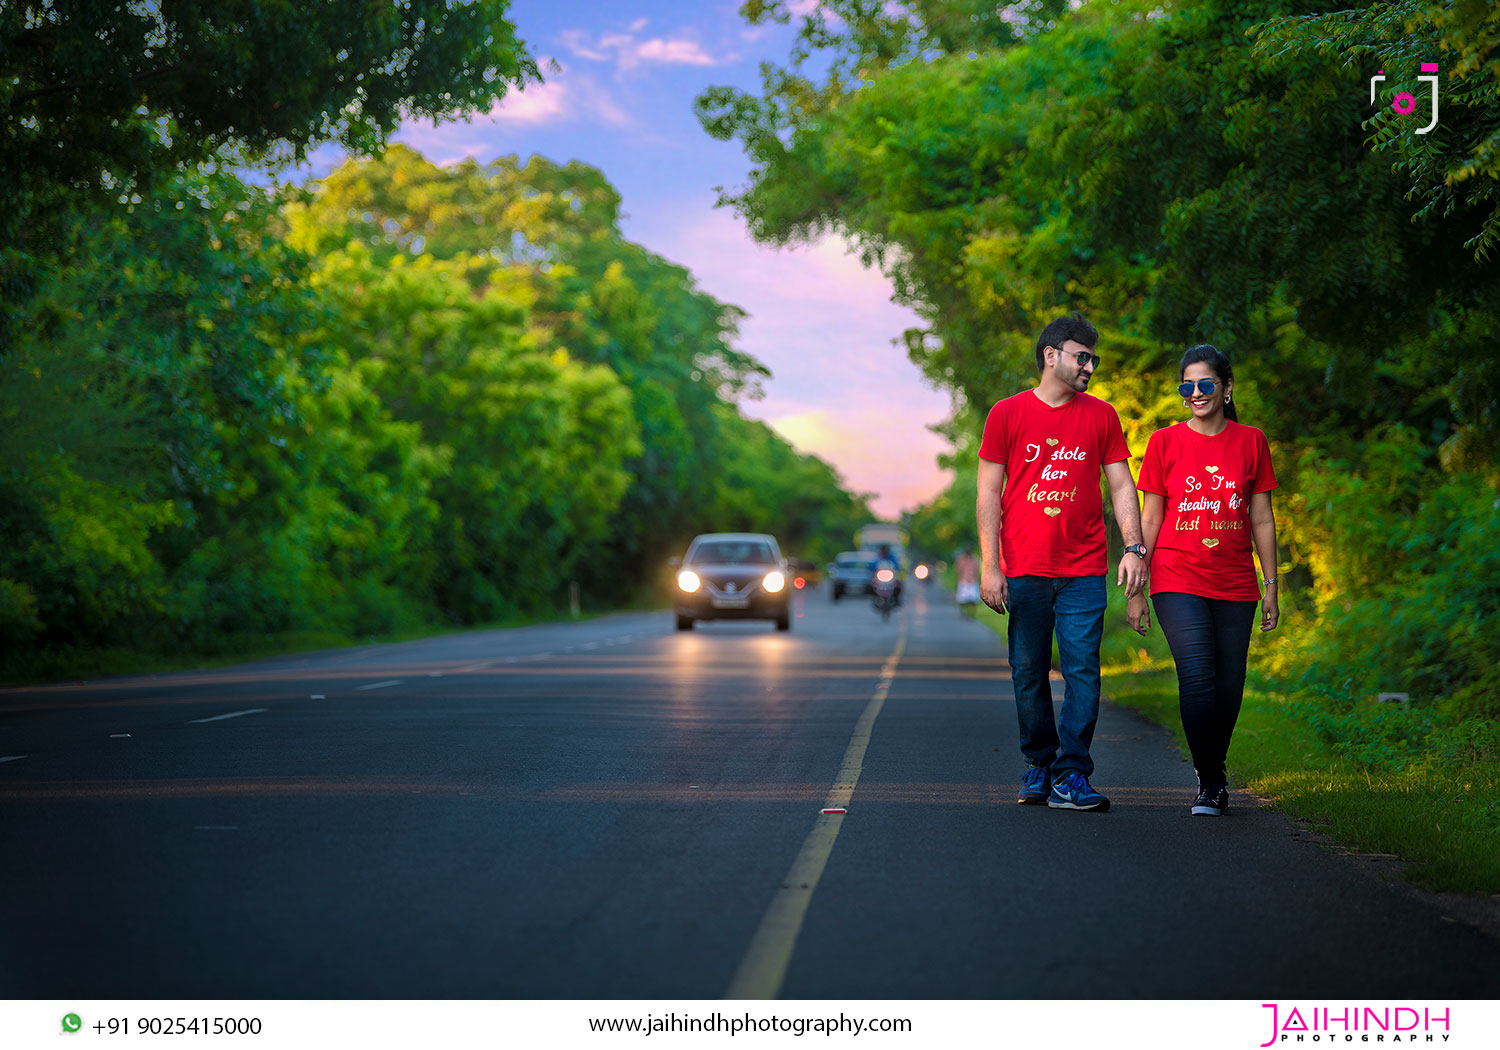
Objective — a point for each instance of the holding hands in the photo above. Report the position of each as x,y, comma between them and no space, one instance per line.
1132,575
1138,614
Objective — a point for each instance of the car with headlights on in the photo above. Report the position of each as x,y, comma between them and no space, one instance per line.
733,576
852,572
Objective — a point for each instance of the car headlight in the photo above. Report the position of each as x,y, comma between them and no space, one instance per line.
688,581
773,582
920,572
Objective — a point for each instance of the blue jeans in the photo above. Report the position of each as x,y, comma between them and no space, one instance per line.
1210,640
1074,607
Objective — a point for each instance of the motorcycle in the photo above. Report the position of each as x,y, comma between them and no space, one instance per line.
884,593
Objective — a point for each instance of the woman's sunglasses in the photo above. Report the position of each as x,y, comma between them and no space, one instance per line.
1205,387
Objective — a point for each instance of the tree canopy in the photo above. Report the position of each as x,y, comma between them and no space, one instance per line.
99,98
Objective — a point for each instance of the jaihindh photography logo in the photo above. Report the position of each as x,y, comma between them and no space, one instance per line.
1294,1024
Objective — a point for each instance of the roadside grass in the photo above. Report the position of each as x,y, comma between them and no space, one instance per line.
1433,806
1441,819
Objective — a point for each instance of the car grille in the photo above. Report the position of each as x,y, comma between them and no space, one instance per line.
719,587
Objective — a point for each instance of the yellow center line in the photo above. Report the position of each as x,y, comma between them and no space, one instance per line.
763,969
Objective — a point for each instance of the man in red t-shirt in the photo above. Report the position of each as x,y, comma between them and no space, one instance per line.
1039,504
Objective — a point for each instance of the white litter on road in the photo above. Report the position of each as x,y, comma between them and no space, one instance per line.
12,758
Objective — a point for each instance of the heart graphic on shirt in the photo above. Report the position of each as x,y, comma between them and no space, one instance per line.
1053,512
1212,470
1210,544
1052,441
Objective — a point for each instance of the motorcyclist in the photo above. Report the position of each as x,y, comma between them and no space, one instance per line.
888,560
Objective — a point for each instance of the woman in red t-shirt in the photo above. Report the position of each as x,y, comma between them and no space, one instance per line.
1207,484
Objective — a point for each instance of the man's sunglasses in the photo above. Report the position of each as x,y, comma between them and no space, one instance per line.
1084,358
1205,387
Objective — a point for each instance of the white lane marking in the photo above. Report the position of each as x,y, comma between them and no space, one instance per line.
763,969
13,758
236,714
379,685
216,827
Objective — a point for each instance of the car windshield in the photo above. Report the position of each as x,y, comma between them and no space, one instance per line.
733,552
855,563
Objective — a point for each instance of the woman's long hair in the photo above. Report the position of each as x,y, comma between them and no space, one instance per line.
1209,355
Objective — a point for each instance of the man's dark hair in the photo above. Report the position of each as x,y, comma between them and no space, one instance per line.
1058,332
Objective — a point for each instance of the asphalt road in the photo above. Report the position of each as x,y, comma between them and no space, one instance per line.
616,809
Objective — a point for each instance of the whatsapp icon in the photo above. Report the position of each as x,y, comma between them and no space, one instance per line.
72,1022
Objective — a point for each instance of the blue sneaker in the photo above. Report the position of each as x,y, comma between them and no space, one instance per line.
1035,786
1073,792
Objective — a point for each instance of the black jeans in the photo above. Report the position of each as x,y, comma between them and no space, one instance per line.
1210,640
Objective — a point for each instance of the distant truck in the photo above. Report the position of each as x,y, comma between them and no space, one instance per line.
880,534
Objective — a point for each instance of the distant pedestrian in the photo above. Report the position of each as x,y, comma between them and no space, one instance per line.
1207,487
966,568
1039,503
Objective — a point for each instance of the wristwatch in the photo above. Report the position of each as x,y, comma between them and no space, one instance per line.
1138,549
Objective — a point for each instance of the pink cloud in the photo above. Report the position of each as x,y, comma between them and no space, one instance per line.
681,52
564,97
538,104
629,52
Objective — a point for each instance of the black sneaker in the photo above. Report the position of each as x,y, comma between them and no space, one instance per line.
1211,802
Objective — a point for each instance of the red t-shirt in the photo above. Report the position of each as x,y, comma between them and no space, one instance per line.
1051,512
1206,482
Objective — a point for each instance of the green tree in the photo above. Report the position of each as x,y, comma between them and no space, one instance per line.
548,236
100,98
1455,168
534,442
154,369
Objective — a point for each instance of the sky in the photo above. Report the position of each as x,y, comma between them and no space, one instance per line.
621,99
